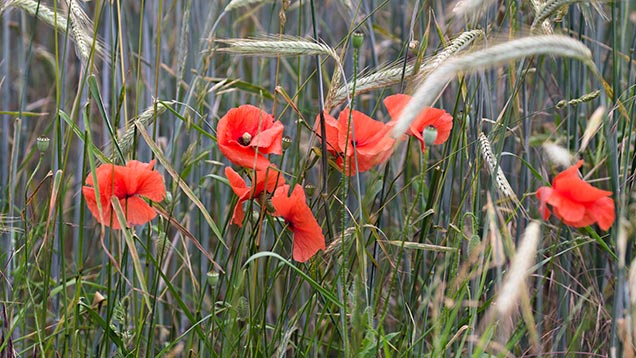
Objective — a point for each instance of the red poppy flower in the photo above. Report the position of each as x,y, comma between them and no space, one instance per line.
576,202
429,117
373,145
266,180
128,184
308,237
246,134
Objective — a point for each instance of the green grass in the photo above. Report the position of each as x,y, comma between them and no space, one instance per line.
425,253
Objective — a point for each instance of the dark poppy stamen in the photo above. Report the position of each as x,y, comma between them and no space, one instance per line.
245,139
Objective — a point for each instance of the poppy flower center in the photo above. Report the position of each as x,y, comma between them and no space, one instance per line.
245,139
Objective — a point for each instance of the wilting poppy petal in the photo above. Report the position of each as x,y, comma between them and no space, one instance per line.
307,234
246,134
576,202
126,183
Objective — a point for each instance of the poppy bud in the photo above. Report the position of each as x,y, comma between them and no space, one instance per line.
43,144
287,142
429,134
309,189
357,40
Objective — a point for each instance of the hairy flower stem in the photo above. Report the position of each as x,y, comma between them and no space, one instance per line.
360,250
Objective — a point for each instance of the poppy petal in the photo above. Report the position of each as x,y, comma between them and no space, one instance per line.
267,180
238,214
91,202
237,183
135,164
307,234
331,132
572,171
604,213
145,182
269,140
438,118
566,208
308,241
577,189
395,104
137,211
543,194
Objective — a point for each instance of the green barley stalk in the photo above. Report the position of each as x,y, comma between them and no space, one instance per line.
433,84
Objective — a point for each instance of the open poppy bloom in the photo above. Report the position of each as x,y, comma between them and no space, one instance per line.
265,180
576,202
128,183
246,134
308,237
365,137
439,119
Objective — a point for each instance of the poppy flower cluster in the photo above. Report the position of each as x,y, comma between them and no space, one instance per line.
245,135
356,137
575,202
128,184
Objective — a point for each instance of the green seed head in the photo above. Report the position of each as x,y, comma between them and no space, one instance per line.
429,134
358,39
43,144
287,142
310,189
